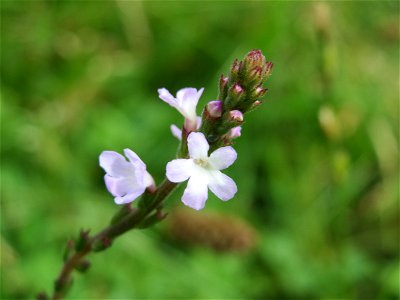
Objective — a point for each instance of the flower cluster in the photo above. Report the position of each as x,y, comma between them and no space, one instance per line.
213,132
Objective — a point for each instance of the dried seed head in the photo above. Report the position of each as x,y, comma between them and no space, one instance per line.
216,231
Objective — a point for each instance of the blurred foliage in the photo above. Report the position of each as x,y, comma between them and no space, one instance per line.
318,163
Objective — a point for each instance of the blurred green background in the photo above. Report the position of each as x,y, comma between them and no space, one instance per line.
318,163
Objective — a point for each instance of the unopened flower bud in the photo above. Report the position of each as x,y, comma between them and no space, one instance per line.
235,95
236,69
255,105
268,68
214,108
259,92
254,58
237,90
255,69
256,74
236,115
223,81
235,132
223,86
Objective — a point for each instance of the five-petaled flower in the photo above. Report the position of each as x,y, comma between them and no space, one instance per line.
125,180
203,172
185,102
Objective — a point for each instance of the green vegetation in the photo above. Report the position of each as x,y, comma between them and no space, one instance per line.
318,162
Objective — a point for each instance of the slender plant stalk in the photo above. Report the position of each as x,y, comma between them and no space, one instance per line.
131,221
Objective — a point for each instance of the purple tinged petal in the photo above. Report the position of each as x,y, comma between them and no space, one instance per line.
198,122
111,184
197,145
189,96
115,164
187,100
179,170
120,186
135,159
223,157
139,167
166,96
196,193
176,132
222,186
107,158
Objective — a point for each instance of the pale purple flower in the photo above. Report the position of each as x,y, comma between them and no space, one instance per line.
125,180
177,132
185,102
203,172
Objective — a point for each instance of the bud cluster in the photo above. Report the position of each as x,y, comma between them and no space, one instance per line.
245,84
239,93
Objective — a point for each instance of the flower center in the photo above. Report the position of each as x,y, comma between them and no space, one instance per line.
201,162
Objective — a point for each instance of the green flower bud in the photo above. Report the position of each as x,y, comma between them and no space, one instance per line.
223,87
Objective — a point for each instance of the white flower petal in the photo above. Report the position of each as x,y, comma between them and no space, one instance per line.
127,198
223,157
197,145
222,186
148,180
196,193
115,164
139,167
188,99
121,186
135,159
166,96
176,132
179,170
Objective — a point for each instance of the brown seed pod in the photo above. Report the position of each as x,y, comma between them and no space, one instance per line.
219,232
